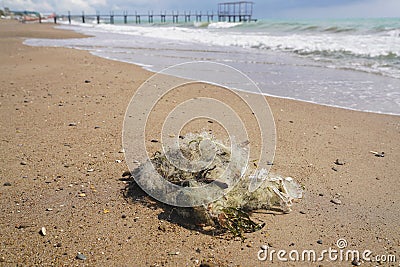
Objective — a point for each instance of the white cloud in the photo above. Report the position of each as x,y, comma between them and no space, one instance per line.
90,6
22,5
362,9
59,6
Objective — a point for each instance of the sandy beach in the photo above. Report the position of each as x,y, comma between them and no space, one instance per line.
61,168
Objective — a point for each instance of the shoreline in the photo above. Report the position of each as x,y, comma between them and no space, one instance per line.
47,163
383,106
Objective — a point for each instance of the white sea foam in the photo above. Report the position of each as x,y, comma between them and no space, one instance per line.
366,45
224,25
200,24
350,67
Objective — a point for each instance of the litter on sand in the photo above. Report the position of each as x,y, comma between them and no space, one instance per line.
225,172
377,154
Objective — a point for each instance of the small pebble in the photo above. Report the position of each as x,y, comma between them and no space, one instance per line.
339,162
82,195
264,247
23,163
80,256
356,263
72,124
7,184
302,212
333,168
154,141
118,161
336,201
123,216
49,209
43,231
90,170
319,242
162,228
97,127
87,81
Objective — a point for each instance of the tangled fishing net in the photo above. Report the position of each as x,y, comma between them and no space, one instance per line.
224,171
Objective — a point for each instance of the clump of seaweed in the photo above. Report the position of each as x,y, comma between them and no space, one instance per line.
237,222
231,213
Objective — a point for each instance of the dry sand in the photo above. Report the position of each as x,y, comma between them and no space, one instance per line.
66,178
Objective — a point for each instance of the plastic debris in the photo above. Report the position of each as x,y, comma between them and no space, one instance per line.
80,256
43,231
377,154
232,211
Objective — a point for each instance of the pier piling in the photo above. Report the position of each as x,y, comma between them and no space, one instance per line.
125,17
111,17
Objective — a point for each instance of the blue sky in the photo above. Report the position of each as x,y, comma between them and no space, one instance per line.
263,8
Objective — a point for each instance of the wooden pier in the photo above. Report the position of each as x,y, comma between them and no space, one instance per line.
228,12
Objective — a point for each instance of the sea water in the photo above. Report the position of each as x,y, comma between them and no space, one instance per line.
347,63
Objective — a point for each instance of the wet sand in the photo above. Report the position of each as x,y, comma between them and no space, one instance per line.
62,113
